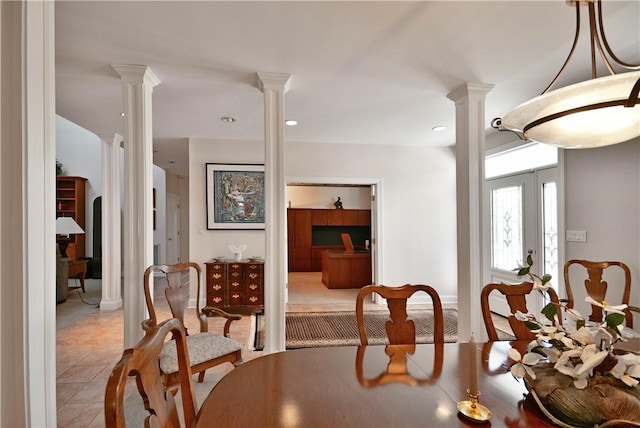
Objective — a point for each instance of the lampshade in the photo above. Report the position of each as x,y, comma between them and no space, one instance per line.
67,226
597,112
600,117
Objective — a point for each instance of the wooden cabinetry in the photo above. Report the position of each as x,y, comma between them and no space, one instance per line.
299,239
304,234
328,217
70,202
232,285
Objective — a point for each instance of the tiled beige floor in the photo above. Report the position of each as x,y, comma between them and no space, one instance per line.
89,343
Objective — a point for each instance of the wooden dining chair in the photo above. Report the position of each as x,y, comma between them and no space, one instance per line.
596,287
516,295
206,349
399,329
141,362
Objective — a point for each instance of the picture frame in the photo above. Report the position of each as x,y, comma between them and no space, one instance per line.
235,196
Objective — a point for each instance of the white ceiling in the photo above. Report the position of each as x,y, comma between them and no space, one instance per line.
362,72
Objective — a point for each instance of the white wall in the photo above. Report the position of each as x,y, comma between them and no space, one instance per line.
79,151
352,198
418,215
205,244
602,194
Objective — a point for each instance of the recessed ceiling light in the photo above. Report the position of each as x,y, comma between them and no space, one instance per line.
438,128
122,114
291,122
228,119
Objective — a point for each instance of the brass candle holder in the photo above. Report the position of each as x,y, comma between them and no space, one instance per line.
473,410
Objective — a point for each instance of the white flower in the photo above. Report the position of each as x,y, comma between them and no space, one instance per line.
552,353
603,335
619,309
521,316
584,336
565,366
537,284
522,365
627,369
591,358
529,318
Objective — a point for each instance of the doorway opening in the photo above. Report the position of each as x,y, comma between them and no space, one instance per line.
306,291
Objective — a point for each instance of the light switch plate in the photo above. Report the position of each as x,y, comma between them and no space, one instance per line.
576,236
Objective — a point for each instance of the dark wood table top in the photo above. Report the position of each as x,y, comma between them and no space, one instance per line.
372,386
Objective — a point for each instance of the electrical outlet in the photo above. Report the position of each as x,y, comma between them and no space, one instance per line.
576,236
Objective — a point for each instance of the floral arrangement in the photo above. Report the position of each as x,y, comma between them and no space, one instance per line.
575,349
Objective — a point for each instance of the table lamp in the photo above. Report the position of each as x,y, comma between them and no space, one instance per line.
66,226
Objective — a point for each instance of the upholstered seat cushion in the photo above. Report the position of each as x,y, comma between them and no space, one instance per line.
202,347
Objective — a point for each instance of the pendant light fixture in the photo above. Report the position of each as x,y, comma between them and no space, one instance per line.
597,112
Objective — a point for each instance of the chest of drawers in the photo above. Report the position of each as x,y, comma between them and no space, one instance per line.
235,286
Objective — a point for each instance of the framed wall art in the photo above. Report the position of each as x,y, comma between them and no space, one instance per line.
235,196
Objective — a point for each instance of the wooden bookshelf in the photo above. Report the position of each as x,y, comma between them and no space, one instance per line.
71,202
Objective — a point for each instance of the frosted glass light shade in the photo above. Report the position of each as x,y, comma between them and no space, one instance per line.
590,128
67,226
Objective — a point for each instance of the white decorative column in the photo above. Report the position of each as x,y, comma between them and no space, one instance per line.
138,82
27,215
274,86
111,224
470,153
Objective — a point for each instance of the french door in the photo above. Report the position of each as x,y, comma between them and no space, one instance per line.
522,219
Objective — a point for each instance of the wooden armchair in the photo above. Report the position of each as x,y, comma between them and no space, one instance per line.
516,295
400,330
596,287
206,349
142,362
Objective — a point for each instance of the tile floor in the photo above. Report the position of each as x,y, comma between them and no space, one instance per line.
89,342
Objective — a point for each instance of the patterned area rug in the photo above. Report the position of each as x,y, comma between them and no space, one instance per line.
314,329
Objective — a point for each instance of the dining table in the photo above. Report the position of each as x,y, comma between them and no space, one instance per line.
372,386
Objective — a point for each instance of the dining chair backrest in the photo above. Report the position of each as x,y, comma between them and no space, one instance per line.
516,296
596,287
399,329
177,291
141,362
